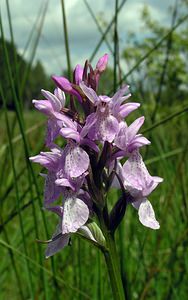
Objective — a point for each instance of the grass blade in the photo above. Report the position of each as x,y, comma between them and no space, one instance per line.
66,40
105,33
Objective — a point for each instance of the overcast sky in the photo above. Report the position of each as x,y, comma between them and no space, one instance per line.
83,33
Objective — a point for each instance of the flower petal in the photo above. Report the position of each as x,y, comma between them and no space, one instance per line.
60,95
58,243
51,190
49,160
127,108
64,84
105,128
134,127
70,133
75,160
44,106
147,214
64,182
102,63
90,144
117,96
55,102
75,214
78,74
137,177
89,92
52,131
138,142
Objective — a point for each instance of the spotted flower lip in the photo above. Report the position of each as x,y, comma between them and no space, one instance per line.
75,161
73,213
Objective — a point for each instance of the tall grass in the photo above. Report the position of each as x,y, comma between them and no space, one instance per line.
154,265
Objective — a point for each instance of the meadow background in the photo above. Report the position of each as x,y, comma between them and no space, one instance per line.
149,51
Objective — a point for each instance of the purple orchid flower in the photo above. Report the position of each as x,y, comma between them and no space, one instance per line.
127,138
51,161
73,213
80,174
140,184
73,131
52,108
104,123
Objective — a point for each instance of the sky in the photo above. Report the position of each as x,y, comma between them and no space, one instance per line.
83,33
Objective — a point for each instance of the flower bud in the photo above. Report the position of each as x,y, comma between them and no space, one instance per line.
102,63
78,74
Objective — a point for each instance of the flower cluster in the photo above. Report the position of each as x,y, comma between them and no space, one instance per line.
96,138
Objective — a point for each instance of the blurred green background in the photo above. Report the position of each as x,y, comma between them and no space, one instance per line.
148,48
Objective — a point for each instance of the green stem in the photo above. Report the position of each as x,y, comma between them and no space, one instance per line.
112,262
113,267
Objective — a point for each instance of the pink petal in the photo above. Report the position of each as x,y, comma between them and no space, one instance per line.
75,215
75,159
90,121
58,244
52,132
60,95
90,144
44,106
65,85
70,133
119,94
147,215
127,108
105,128
78,74
51,190
121,140
89,92
49,160
58,210
102,63
137,176
134,127
64,182
138,142
55,102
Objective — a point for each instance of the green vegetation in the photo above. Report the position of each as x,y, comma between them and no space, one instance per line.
154,264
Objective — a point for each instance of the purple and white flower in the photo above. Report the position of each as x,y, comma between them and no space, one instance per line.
80,174
139,183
